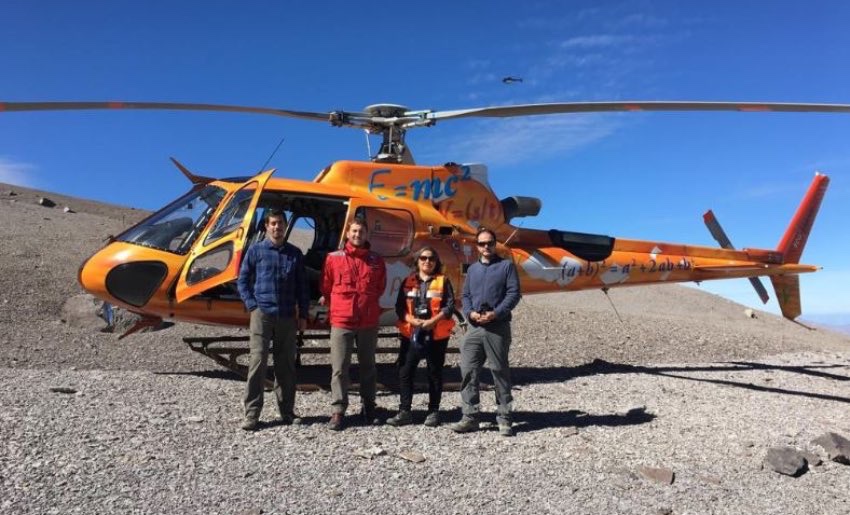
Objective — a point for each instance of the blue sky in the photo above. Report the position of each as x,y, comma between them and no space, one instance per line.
647,176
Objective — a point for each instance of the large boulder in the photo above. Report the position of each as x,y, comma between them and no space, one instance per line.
84,312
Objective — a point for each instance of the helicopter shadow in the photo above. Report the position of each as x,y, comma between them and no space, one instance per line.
533,375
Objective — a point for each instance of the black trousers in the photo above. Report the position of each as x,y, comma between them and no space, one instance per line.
409,358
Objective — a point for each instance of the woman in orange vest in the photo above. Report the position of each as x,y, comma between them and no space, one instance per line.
424,306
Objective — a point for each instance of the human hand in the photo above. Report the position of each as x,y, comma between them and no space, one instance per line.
322,301
488,317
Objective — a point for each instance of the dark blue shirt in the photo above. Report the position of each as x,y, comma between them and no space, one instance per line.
494,284
273,279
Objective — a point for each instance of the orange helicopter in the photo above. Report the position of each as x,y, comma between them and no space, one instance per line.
181,262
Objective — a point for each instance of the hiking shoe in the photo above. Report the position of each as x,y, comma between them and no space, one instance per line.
335,423
466,425
250,424
403,418
506,430
291,420
370,417
433,419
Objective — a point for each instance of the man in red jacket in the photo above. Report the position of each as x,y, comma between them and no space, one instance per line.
353,281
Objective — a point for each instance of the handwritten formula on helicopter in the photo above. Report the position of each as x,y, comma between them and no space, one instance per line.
181,262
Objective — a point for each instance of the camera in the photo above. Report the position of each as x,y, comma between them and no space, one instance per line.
422,311
485,308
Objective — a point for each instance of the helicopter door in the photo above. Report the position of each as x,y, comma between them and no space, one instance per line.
391,231
216,256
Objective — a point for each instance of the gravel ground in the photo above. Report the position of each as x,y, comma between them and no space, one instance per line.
143,442
684,382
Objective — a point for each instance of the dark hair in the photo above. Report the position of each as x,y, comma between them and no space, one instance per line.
482,230
357,220
438,265
275,211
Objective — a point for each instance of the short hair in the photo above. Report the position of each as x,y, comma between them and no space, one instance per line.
357,220
482,230
438,265
275,211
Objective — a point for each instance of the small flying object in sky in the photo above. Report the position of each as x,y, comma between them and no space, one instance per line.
511,80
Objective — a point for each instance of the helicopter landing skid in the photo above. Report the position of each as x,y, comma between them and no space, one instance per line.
311,377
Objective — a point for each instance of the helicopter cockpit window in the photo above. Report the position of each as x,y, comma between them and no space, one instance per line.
233,215
210,264
176,227
390,230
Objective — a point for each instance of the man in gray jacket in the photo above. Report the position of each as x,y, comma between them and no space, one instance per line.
490,291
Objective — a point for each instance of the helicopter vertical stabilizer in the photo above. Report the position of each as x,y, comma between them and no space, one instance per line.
791,246
792,243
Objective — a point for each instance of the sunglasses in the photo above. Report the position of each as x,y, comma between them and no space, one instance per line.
432,259
490,243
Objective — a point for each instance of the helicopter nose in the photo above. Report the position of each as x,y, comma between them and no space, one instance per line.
108,275
92,278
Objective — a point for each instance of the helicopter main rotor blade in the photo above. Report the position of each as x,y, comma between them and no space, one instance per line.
79,106
635,106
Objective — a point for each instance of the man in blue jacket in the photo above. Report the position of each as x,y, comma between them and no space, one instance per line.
273,285
490,291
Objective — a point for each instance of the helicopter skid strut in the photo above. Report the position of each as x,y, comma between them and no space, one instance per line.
317,376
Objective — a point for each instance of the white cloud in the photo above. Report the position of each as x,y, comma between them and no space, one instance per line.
19,174
596,41
510,141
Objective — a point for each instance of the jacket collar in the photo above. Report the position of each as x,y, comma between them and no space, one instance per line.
351,250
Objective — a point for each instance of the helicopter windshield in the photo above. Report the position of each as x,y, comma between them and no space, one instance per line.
176,227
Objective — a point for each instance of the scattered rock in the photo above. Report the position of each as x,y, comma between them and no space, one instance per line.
68,210
664,511
62,389
370,453
785,460
12,194
749,313
659,475
812,459
411,455
46,202
195,419
81,312
836,446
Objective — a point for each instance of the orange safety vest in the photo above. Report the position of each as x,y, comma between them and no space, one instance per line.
443,328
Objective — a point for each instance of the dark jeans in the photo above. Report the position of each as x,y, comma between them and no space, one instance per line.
409,358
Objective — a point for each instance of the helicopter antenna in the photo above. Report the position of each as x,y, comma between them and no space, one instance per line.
605,291
272,154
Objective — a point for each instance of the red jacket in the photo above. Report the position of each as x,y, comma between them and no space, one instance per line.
353,281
